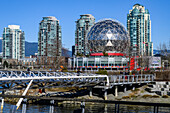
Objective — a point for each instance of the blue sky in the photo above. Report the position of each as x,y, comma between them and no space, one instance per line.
28,14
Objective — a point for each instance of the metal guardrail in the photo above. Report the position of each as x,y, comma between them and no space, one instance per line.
21,74
130,79
109,80
62,78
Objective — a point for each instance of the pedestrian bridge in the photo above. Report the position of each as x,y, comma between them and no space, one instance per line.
44,79
10,80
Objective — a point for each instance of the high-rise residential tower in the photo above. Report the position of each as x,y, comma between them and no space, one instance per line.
83,26
139,28
49,37
13,44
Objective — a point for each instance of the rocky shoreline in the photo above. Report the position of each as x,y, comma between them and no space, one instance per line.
138,95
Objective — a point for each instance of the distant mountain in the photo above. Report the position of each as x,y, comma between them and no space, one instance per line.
31,48
0,45
66,52
158,51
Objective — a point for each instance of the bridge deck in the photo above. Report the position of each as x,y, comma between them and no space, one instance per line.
20,79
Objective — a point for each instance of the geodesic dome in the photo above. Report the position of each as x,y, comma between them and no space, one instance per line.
107,35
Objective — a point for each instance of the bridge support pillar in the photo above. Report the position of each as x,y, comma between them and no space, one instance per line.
125,89
116,108
2,103
20,100
24,106
105,108
105,94
82,107
116,89
156,109
90,93
51,106
133,88
52,102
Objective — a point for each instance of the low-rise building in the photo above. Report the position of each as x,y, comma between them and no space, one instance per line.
98,61
155,62
28,62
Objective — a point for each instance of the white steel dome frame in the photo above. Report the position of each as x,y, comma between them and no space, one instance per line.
107,35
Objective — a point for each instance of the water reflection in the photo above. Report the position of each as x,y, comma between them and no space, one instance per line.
89,108
24,108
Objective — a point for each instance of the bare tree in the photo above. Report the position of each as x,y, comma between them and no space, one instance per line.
59,61
164,50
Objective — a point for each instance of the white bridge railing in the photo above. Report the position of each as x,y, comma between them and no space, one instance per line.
64,76
79,77
131,79
76,77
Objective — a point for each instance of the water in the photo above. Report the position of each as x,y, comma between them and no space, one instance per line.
89,108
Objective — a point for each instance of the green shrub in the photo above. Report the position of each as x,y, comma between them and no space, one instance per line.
136,89
113,73
10,65
64,69
142,91
5,64
103,72
87,55
78,54
105,54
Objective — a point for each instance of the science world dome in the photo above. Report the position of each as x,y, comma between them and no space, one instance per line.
108,36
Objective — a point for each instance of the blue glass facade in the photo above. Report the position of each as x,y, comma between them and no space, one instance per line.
83,26
13,44
139,28
49,37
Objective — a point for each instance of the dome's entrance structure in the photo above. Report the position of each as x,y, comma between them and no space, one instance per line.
107,36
